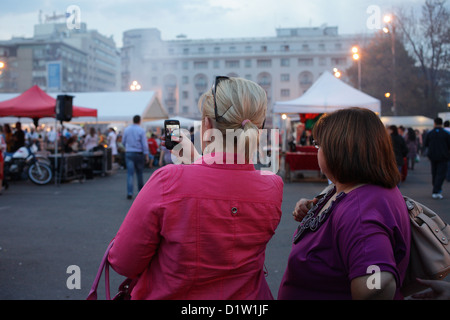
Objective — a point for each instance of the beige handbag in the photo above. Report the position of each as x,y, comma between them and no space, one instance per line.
430,249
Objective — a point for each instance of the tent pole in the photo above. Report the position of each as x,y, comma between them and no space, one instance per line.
56,150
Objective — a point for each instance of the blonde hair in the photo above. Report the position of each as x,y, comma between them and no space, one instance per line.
241,104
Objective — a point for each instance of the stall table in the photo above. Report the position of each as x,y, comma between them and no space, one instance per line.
99,161
295,161
68,166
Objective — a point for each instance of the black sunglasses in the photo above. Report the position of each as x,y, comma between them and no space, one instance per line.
213,89
216,83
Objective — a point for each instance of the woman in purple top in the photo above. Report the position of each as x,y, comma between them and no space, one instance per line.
354,241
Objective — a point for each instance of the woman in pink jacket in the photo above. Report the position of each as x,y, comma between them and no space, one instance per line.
200,231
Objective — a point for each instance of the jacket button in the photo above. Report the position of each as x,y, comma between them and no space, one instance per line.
234,210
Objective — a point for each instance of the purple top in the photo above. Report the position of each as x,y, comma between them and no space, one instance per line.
368,226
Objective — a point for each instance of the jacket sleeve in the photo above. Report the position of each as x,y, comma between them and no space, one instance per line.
138,237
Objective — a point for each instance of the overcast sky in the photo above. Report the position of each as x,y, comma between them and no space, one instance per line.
199,19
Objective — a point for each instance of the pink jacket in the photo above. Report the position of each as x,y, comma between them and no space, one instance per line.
200,231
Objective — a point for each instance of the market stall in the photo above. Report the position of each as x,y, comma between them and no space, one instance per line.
326,95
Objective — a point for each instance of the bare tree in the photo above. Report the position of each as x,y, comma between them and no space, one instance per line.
429,40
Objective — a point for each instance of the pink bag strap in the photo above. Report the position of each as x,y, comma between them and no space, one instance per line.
103,265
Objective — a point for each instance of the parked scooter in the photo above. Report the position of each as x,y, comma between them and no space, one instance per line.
24,162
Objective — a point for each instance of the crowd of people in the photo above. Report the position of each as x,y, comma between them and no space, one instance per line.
73,140
200,231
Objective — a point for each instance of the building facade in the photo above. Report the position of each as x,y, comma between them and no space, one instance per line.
60,60
52,65
183,69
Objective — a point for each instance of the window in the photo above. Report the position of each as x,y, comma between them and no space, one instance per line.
248,63
285,48
185,65
322,61
338,61
305,79
264,63
321,46
285,92
186,51
201,82
185,94
305,47
232,63
200,64
185,80
285,77
284,62
185,110
264,48
305,62
216,64
201,50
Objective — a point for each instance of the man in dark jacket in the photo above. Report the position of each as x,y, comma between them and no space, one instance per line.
438,143
399,145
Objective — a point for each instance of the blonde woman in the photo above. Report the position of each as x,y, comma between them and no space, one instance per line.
199,231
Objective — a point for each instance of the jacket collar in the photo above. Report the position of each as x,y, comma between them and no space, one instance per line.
223,160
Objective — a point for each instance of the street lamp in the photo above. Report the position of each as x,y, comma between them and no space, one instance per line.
337,73
356,56
2,66
388,19
135,86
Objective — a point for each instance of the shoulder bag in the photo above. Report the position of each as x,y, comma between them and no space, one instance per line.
124,292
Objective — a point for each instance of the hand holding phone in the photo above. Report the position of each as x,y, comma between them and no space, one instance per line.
171,133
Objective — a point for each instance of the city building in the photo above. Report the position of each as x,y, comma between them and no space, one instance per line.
60,60
285,65
51,64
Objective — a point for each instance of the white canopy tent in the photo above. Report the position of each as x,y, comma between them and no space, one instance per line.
121,106
328,94
415,122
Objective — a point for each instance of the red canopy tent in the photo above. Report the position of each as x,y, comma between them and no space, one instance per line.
35,103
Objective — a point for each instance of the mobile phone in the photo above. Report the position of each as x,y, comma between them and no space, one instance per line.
171,133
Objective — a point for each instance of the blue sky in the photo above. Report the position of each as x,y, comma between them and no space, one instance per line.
199,19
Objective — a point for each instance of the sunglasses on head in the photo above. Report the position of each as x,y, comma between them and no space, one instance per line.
213,89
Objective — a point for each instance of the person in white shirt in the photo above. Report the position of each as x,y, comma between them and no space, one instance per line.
111,141
91,140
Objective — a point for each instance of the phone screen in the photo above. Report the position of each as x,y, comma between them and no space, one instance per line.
172,133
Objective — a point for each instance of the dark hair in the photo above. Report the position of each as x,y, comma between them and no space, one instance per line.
438,121
357,147
411,135
136,119
394,130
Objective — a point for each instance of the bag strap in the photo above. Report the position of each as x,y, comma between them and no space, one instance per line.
103,265
433,227
417,213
